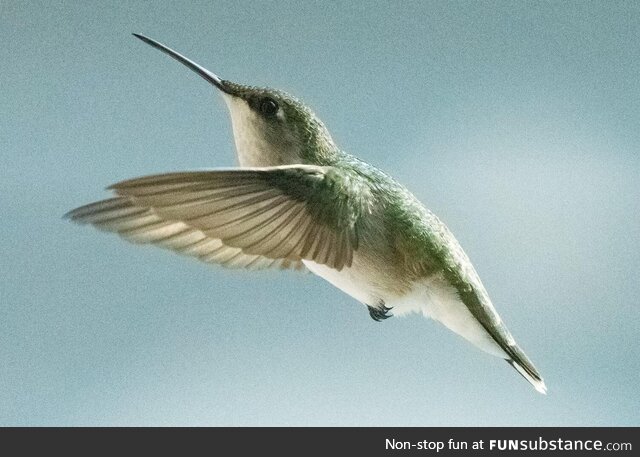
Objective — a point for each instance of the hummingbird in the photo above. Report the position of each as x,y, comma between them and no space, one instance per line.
297,201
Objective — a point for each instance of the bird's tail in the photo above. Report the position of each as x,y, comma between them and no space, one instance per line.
518,360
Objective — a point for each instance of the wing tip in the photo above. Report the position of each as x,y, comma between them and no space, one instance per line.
75,215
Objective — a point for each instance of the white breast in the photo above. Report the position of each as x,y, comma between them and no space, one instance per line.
347,280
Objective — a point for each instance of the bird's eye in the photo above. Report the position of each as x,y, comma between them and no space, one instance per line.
268,107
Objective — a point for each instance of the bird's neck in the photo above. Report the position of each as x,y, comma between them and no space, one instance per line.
318,148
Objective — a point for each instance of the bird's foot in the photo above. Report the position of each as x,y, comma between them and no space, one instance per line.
380,312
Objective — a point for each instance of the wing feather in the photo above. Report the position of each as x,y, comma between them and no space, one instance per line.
249,217
141,225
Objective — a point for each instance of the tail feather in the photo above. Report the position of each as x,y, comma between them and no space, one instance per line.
536,381
518,360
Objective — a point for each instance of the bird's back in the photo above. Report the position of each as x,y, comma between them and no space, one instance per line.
411,262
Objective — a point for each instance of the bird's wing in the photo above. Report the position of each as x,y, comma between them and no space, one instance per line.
248,217
141,224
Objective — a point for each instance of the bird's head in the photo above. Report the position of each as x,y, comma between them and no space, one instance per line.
270,127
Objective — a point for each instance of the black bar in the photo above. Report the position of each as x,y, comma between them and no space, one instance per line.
319,441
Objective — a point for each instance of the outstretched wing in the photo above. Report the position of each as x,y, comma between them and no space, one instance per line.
141,224
249,217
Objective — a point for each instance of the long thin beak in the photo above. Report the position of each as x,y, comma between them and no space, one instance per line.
203,72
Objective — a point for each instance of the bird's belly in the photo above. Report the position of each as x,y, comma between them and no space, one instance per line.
348,280
435,298
432,297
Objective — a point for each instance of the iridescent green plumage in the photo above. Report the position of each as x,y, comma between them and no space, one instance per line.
299,200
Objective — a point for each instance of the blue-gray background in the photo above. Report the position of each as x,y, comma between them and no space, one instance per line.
516,122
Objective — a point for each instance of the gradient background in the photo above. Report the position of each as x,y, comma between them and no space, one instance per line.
518,123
